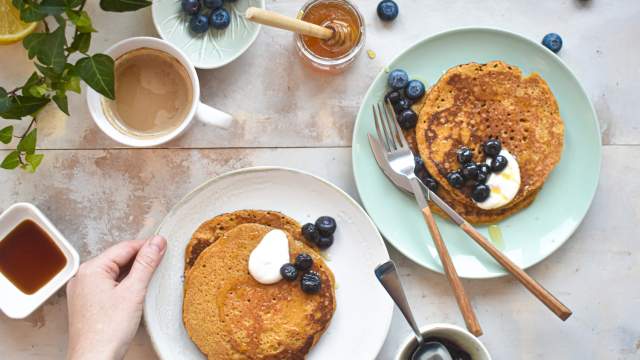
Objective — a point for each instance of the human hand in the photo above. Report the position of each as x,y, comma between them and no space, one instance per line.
104,310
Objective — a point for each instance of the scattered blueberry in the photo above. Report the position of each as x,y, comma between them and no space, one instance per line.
398,79
326,225
310,232
484,168
455,179
303,262
393,97
310,282
220,19
191,7
199,23
469,171
387,10
213,4
492,147
480,193
407,119
498,163
325,241
418,161
464,155
430,183
289,272
401,105
415,89
553,42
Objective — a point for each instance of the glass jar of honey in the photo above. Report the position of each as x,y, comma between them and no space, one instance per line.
338,15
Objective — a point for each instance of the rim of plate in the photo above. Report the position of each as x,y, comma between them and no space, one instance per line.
189,195
197,64
519,37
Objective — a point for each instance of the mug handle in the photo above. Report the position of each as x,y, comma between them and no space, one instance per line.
212,116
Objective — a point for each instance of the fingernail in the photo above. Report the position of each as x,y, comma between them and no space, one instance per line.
157,243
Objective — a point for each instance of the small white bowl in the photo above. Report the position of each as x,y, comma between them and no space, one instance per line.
13,302
461,337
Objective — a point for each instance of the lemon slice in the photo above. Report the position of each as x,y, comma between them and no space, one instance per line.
12,29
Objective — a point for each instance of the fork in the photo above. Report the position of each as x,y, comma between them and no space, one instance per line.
401,160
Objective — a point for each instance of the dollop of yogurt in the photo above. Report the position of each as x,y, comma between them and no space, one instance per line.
504,185
268,257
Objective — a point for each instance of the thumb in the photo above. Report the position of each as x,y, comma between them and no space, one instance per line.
145,264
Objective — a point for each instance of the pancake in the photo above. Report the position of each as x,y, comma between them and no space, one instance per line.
229,315
209,231
472,103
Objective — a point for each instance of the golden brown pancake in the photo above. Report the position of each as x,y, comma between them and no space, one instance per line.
472,103
229,315
209,231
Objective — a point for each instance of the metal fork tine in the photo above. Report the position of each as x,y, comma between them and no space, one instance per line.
386,129
381,138
403,140
392,128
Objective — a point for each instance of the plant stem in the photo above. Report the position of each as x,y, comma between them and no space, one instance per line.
15,91
33,121
46,25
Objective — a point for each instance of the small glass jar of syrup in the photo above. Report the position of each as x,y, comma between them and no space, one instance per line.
326,54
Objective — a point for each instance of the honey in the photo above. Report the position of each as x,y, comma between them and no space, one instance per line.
29,258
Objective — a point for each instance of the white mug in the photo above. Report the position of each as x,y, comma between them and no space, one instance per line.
199,110
461,337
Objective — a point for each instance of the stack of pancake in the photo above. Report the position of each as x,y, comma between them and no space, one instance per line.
472,103
228,314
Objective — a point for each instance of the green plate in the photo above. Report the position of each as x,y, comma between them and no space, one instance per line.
528,236
213,48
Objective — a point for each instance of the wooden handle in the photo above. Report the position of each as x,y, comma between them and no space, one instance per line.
274,19
533,286
450,271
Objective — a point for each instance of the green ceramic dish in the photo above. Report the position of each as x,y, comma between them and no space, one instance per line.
528,236
214,48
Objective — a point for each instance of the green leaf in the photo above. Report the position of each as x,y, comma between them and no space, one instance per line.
38,90
123,5
47,72
97,72
29,11
33,161
73,84
52,7
81,43
60,98
11,161
71,4
4,101
20,106
47,48
28,143
6,134
81,20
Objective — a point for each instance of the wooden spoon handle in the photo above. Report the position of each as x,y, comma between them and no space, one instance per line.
450,271
533,286
274,19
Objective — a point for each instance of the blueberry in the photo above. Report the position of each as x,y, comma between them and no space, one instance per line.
455,179
199,23
553,42
498,163
407,119
402,105
464,155
303,262
414,90
492,147
430,183
310,282
326,225
289,272
480,193
220,19
398,79
483,168
325,241
191,7
393,97
481,178
418,161
469,171
213,4
387,10
310,232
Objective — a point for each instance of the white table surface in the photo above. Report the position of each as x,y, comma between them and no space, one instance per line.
99,192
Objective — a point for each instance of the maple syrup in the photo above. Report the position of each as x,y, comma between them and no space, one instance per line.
29,258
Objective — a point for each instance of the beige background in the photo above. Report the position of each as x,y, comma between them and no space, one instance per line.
98,192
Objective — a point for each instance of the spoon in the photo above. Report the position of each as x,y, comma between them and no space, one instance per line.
387,274
334,32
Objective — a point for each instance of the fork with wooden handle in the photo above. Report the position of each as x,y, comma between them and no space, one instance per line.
402,161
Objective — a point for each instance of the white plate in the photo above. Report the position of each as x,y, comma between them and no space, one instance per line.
363,312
